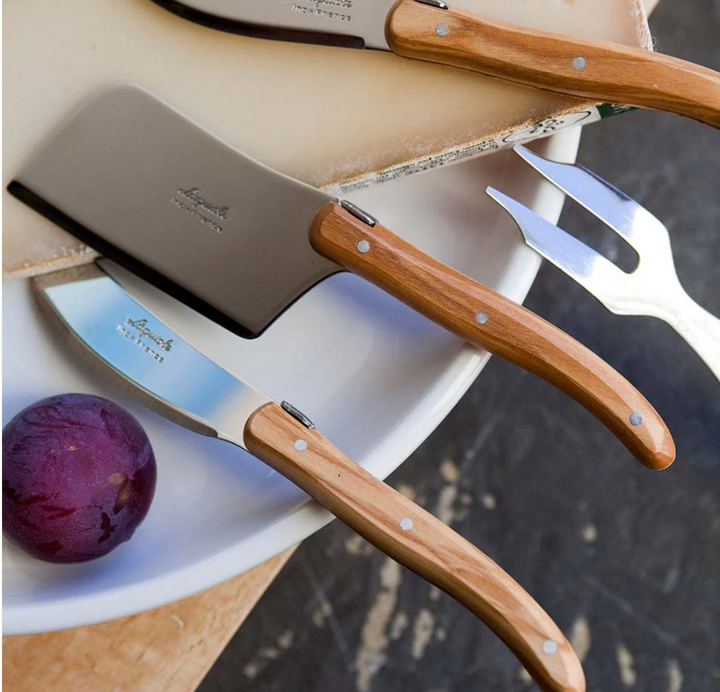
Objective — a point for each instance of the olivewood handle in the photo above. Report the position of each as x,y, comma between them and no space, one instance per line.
598,70
487,319
418,540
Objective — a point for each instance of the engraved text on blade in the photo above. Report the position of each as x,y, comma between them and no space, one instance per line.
139,331
323,8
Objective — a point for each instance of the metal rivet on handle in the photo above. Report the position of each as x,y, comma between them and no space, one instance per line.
579,63
301,445
549,647
442,29
363,246
406,523
481,317
636,419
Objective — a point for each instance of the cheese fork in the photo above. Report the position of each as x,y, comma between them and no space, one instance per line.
652,289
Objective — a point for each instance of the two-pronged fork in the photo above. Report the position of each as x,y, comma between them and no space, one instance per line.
652,289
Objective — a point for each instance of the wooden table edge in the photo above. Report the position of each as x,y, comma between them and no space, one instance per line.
168,649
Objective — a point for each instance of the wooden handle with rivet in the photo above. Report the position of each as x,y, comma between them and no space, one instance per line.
591,69
486,319
418,540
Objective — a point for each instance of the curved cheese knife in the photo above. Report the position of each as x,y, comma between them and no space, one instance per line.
177,381
240,242
432,30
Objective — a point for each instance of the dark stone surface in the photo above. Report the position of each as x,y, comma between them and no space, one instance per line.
625,560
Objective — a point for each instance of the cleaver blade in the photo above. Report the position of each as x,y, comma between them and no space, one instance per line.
142,184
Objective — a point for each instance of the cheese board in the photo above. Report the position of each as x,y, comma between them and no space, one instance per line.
331,117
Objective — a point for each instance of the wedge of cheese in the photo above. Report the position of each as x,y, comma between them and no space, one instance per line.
332,117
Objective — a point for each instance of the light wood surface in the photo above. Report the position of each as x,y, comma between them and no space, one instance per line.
599,70
456,302
169,649
418,540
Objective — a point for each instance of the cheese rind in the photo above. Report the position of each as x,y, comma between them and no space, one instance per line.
324,115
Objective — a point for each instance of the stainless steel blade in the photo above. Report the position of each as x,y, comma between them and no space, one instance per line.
149,188
312,21
181,383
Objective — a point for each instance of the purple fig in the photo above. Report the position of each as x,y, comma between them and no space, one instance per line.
78,477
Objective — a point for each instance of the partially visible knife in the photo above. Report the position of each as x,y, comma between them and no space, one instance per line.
239,242
432,30
177,381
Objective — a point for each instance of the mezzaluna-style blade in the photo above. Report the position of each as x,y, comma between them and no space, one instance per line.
179,382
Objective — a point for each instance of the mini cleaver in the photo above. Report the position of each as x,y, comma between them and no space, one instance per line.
174,379
432,30
240,242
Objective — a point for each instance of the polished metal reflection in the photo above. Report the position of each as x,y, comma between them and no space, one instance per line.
186,386
652,289
297,414
435,3
358,213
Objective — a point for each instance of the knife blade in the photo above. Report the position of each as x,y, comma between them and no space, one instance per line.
432,30
239,242
173,378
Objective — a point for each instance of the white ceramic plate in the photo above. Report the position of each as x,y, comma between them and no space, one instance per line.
375,377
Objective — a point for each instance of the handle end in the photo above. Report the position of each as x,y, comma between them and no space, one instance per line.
647,437
561,668
663,457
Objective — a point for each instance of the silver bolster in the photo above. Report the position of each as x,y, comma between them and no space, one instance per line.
357,212
435,3
297,415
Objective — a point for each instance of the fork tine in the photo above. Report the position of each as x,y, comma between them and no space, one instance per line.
612,206
589,268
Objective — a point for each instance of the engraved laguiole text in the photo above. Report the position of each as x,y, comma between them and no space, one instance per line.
192,202
317,8
138,332
193,194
